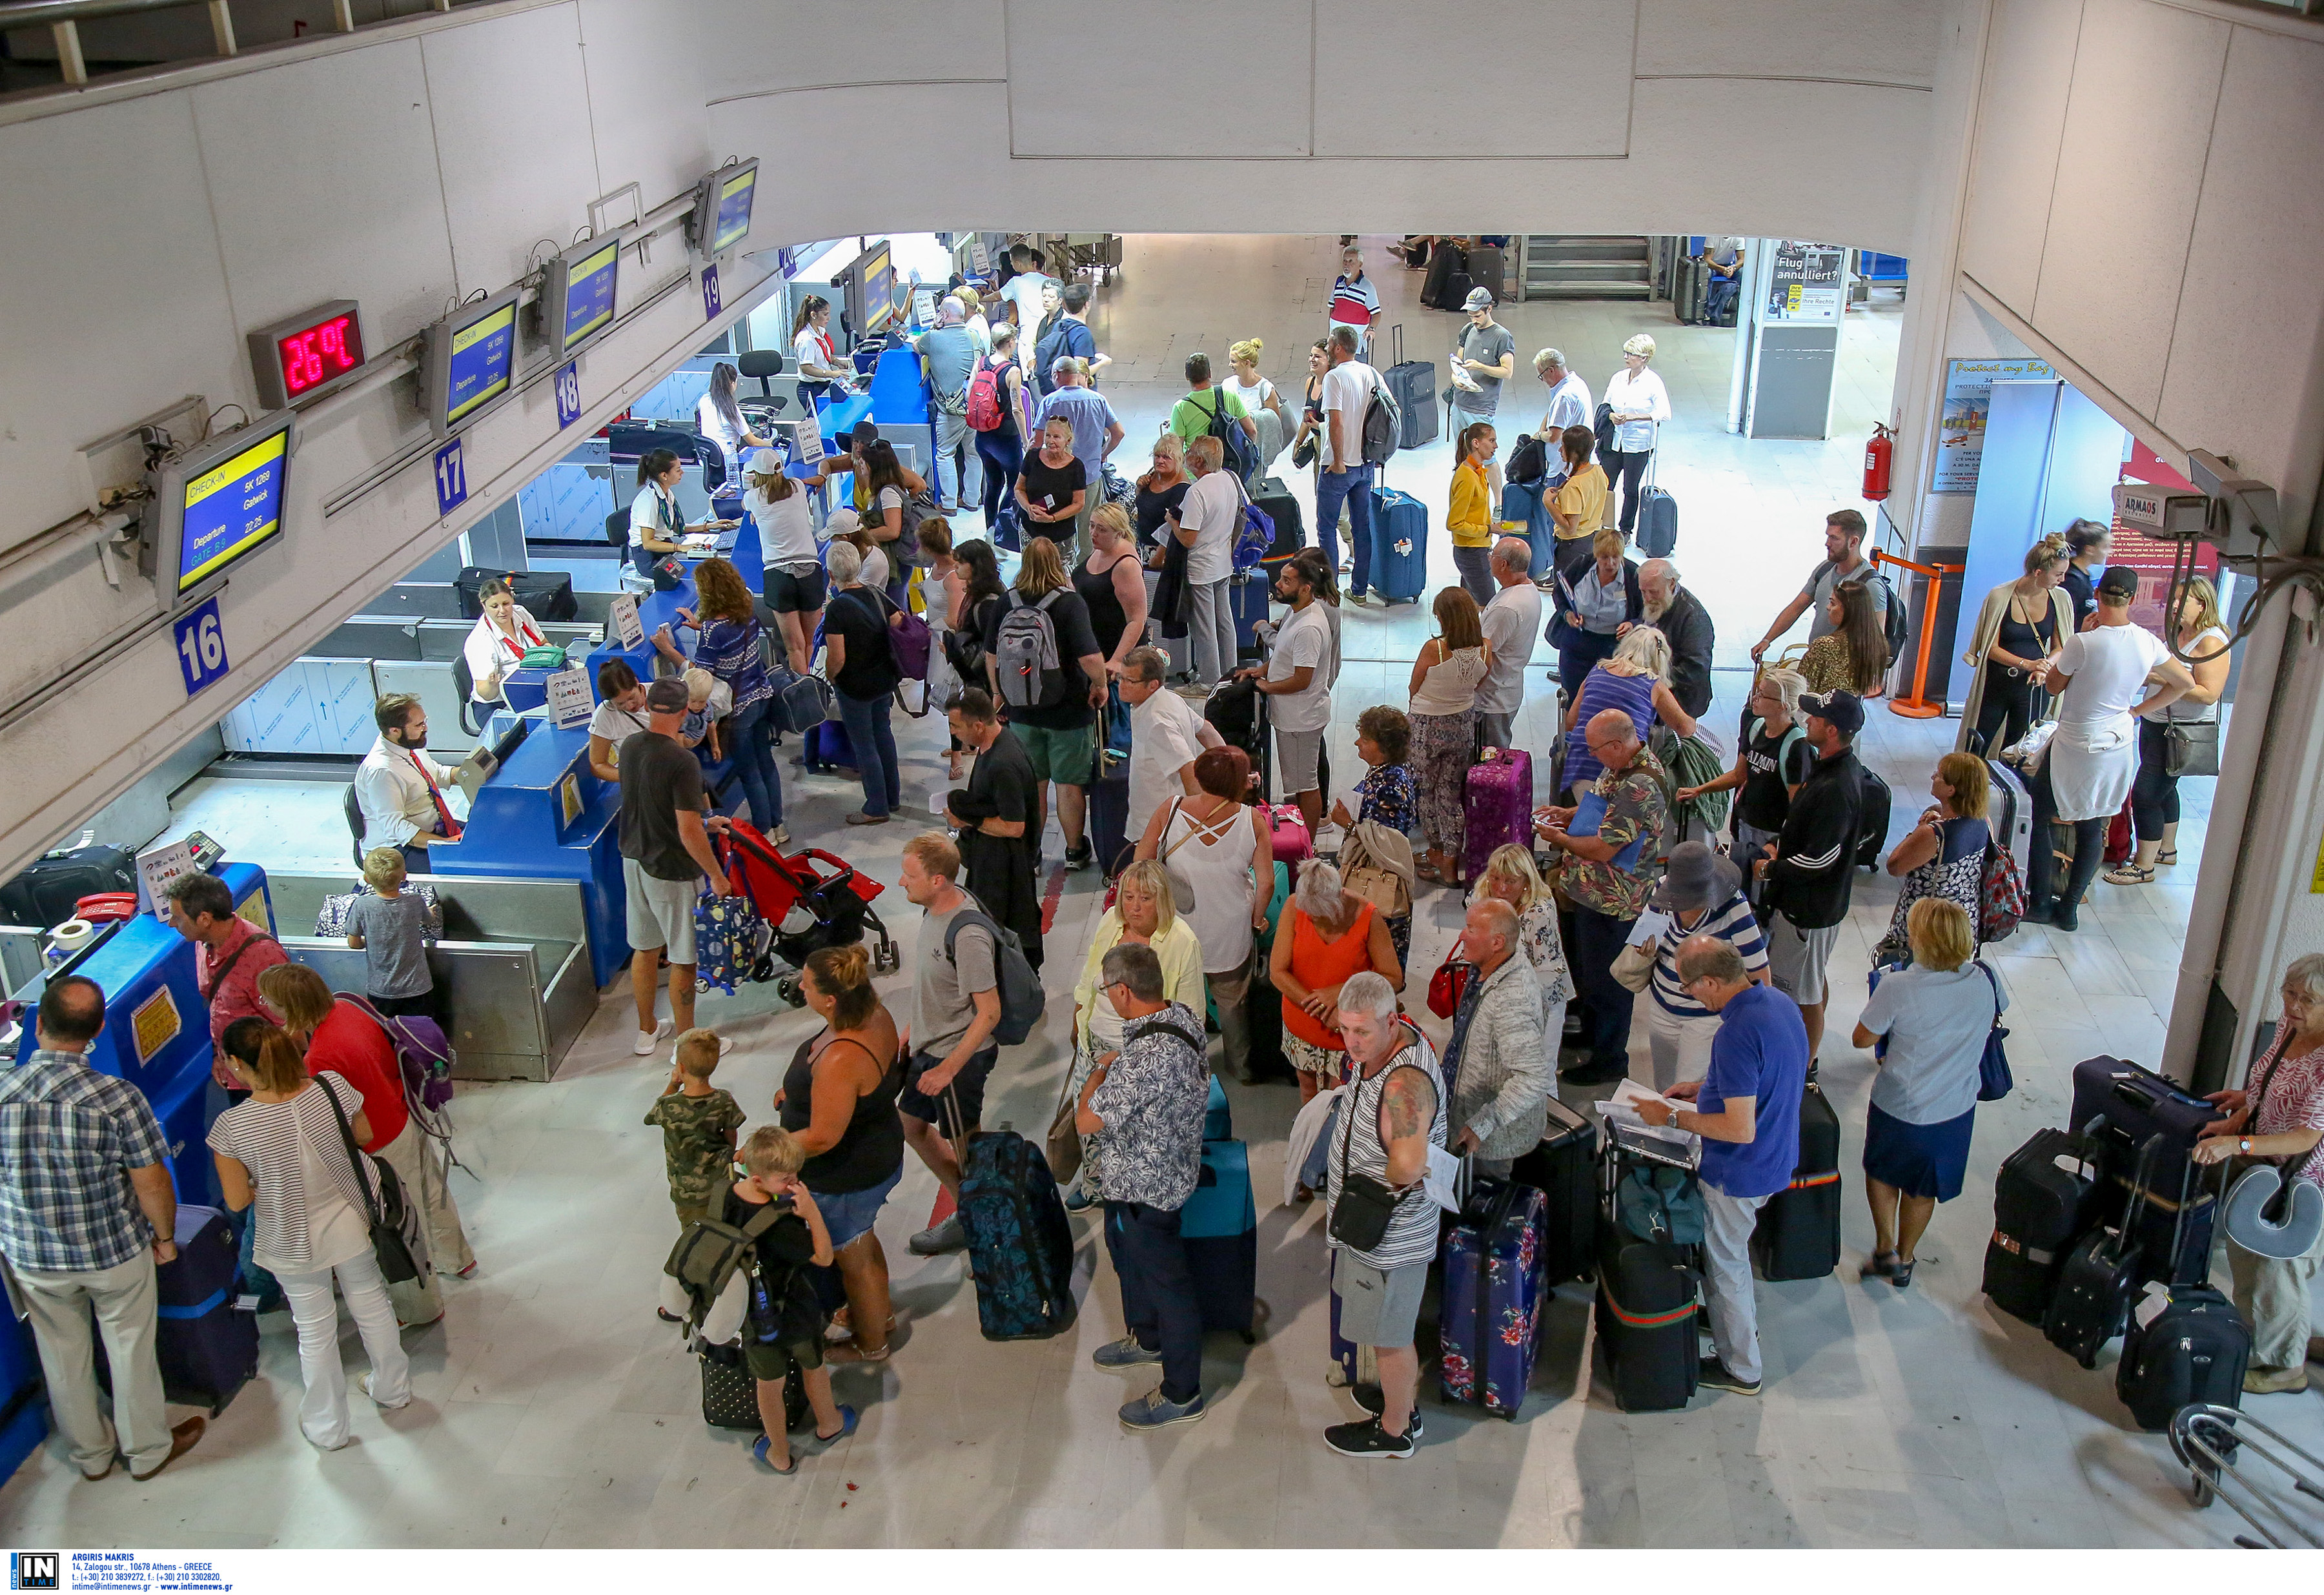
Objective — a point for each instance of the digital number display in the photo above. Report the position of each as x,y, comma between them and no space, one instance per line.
483,360
319,353
232,509
589,293
733,220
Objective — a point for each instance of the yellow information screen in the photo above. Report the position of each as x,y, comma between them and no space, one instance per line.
483,362
733,222
232,509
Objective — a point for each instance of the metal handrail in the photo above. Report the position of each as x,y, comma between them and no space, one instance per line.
63,18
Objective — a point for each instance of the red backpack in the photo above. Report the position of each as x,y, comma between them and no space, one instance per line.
984,398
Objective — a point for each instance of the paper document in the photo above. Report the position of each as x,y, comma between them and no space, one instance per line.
1441,1181
1622,1108
1647,927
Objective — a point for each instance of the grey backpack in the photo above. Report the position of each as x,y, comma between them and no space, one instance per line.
1025,655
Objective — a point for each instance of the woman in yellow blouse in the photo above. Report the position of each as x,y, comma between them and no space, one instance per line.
1470,517
1579,508
1853,655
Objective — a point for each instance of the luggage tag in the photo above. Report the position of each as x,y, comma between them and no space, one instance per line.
2151,1306
1442,1180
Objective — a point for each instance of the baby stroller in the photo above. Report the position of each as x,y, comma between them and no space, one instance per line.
810,901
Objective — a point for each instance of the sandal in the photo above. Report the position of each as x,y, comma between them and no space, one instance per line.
848,1351
842,1328
847,1416
2128,874
1874,1267
759,1456
1901,1277
2169,855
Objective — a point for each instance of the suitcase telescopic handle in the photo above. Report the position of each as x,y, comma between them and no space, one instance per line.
2136,1211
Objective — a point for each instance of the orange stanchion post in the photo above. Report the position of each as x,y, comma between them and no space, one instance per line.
1916,706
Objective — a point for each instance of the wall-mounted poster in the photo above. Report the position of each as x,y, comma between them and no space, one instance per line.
1806,283
1960,430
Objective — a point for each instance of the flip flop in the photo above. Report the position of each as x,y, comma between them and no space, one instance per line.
758,1454
847,1419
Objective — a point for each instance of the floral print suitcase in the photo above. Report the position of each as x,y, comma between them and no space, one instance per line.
1494,1285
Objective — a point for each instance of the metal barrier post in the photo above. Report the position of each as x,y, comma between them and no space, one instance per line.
1916,706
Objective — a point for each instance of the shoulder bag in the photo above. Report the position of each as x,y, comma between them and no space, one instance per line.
1361,1214
1182,886
1993,1080
393,1225
2191,747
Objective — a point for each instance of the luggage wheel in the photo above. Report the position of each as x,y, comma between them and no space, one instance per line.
787,988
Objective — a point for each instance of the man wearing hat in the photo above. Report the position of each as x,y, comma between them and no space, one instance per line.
2105,677
665,852
1485,358
1808,868
1700,894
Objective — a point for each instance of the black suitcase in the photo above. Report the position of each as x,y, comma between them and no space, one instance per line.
1263,1011
730,1396
1797,1236
2040,1209
2197,1348
2137,1104
43,893
1689,287
1412,383
1872,836
1109,816
547,594
2096,1285
1274,500
1488,270
1443,261
1457,285
1648,1322
1565,1168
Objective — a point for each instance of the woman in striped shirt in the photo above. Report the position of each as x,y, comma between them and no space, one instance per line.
283,1148
1700,894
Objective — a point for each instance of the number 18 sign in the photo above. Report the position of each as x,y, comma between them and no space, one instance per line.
201,646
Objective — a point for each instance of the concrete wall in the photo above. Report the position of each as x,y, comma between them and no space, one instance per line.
151,223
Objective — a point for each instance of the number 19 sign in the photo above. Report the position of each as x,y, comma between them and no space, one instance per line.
201,646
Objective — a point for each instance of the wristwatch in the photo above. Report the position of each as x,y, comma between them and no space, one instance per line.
2244,1145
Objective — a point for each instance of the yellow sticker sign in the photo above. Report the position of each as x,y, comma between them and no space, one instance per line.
154,1025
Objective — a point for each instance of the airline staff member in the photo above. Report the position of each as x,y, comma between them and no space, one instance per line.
399,790
497,642
822,373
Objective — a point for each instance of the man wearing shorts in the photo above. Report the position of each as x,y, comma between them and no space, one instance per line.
1810,865
665,852
955,1005
1297,682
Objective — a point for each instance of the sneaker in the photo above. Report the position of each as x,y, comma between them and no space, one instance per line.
1078,1200
2271,1381
1150,1411
1368,1441
779,836
1712,1375
938,1239
1373,1400
648,1039
1125,1353
364,1384
1081,856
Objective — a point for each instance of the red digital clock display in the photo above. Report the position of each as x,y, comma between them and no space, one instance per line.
319,353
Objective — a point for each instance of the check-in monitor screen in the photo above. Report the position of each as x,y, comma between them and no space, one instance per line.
589,293
733,219
482,361
233,509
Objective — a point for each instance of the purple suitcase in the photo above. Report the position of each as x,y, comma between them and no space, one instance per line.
1494,1285
1497,805
1351,1364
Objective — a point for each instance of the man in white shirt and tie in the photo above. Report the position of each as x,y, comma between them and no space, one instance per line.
400,789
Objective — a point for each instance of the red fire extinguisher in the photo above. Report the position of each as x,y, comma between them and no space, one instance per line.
1878,455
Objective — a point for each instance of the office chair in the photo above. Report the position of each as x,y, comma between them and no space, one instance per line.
763,363
353,811
464,682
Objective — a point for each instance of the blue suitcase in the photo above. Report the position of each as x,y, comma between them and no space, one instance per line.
1657,523
828,747
1219,1228
1247,593
1218,1120
207,1347
1528,504
1021,1245
1109,821
1399,572
1495,1280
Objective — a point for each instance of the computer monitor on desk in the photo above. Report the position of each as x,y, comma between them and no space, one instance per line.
478,767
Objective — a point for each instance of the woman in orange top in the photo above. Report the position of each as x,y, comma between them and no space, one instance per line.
1332,935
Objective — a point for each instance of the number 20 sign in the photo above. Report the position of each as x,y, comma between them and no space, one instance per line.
201,646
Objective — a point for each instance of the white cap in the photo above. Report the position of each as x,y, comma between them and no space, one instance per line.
762,462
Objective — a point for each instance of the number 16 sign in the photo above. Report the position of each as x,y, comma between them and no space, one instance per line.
201,646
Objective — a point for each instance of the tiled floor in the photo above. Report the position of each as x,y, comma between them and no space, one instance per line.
552,1409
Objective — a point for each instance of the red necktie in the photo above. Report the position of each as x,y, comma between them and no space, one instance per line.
443,811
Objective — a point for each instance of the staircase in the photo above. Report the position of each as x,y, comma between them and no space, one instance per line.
1551,267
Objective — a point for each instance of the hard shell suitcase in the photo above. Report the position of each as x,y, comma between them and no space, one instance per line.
1108,817
2100,1273
1648,1324
1563,1167
1218,1118
208,1347
1488,269
1657,523
1690,284
1495,1281
1412,383
1020,1246
1399,569
1798,1233
1496,807
730,1396
1247,595
2184,1344
1275,500
1293,844
42,894
2011,813
1351,1364
2040,1207
1219,1228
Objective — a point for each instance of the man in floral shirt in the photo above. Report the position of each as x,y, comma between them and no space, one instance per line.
1611,842
1146,1103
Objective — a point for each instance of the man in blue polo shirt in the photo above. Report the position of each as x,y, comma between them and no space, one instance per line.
1747,1110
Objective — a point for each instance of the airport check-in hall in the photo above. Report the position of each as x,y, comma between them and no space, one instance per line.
710,840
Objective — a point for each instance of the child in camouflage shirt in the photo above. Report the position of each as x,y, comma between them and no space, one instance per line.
699,1122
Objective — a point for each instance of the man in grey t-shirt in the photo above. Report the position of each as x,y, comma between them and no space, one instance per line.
1489,354
1843,561
955,1007
949,353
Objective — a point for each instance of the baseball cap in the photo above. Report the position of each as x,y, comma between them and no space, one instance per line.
1480,298
2119,581
1843,709
762,462
667,696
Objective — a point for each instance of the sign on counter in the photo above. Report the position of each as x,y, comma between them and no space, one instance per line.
569,701
621,614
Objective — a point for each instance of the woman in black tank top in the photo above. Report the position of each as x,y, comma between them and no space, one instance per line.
1112,585
853,1163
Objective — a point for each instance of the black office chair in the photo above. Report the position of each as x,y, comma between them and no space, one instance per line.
464,682
763,363
353,811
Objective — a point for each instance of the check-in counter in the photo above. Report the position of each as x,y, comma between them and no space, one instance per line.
514,964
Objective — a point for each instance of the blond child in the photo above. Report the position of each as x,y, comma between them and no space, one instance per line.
392,927
782,1330
708,700
698,1123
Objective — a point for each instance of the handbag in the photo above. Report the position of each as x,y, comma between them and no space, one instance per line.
1633,965
1361,1216
1445,986
1062,1144
1369,873
2191,747
1993,1080
390,1212
1182,887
